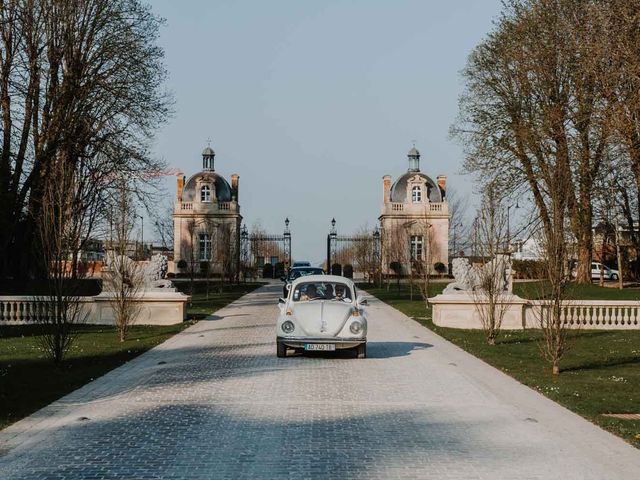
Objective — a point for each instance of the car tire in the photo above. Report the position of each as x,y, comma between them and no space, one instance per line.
614,277
361,351
281,350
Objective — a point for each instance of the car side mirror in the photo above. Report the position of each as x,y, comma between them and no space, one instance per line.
364,302
288,286
282,300
284,279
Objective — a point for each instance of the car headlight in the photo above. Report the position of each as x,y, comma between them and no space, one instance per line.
288,326
356,327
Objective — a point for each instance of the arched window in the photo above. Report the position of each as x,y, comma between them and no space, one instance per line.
205,193
416,194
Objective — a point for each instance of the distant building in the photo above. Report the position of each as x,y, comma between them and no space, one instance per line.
527,249
414,222
206,219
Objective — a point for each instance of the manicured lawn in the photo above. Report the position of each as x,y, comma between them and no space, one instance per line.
578,292
601,374
28,381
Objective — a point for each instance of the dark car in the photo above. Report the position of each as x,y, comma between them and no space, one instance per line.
297,272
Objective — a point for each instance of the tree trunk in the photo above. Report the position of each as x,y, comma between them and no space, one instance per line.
556,367
583,270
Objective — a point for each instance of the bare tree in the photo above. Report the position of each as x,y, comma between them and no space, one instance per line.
364,254
557,336
396,252
163,222
226,251
124,278
491,297
422,262
61,310
80,81
189,253
624,81
458,221
210,229
535,98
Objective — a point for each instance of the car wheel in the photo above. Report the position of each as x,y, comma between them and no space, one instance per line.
281,350
614,276
361,351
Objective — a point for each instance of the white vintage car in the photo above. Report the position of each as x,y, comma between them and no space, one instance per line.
322,313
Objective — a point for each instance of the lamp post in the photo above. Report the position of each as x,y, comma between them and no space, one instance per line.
332,235
142,234
516,206
287,244
376,254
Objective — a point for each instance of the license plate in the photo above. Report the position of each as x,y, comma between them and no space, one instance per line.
321,347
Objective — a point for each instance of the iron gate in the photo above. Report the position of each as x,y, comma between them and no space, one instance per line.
265,255
359,253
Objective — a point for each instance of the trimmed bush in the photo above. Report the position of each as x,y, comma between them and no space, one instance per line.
182,263
347,271
528,269
279,270
267,271
440,267
336,269
396,267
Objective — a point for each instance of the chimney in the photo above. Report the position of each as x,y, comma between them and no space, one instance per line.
386,188
442,183
235,186
180,181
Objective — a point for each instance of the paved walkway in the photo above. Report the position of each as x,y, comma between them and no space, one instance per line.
214,403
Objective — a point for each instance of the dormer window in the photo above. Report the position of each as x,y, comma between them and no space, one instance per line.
205,194
416,194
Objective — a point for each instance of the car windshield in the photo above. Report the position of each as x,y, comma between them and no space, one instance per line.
301,272
334,291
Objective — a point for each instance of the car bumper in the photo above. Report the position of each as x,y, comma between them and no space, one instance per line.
340,343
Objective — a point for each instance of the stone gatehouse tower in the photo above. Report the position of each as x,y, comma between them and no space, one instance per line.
206,221
414,223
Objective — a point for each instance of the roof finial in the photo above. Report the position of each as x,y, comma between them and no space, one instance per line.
208,141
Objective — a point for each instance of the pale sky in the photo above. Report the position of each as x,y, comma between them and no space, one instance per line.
312,102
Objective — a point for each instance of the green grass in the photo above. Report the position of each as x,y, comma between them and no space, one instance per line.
29,381
538,289
601,374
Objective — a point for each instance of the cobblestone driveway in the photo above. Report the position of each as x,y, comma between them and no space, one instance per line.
214,403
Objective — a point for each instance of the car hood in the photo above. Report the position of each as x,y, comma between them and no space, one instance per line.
322,318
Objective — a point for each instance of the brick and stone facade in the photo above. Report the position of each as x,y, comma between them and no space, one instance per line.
414,222
206,220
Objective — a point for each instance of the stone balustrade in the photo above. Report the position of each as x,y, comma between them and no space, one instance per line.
459,310
157,308
222,206
590,314
418,208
